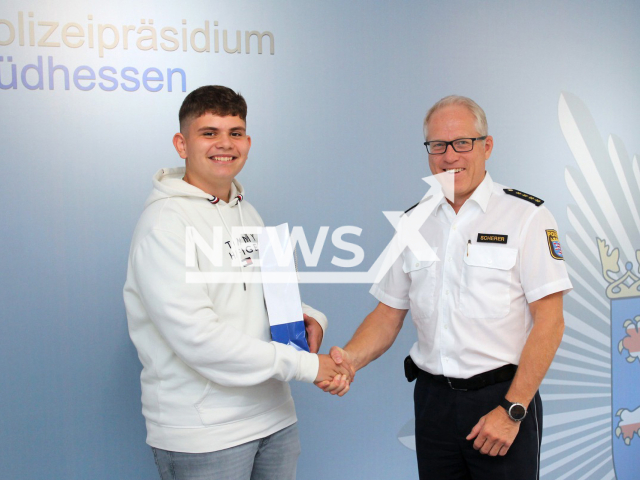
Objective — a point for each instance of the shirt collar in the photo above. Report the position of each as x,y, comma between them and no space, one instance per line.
482,193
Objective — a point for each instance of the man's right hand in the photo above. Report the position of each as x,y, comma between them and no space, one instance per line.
372,338
343,358
333,378
336,386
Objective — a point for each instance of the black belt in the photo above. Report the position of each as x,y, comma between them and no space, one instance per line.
502,374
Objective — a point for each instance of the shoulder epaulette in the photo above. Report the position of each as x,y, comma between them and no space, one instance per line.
411,208
524,196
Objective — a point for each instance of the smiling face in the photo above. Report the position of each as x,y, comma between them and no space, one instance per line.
450,123
215,149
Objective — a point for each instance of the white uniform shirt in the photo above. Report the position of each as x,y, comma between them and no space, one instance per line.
471,307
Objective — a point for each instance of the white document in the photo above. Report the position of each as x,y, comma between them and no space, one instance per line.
279,278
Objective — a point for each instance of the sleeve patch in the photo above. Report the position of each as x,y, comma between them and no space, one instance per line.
524,196
554,245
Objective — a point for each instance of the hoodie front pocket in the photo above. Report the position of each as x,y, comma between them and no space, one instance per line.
220,404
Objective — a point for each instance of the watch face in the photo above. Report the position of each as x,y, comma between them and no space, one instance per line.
517,411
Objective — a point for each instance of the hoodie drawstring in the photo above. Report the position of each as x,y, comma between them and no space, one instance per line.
215,201
239,197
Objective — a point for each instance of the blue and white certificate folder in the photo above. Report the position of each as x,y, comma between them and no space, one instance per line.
280,286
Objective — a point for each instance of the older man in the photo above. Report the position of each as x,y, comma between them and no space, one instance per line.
488,313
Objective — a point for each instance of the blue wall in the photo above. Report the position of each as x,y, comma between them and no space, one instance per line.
335,115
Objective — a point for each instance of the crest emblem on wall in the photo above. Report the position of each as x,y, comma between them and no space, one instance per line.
592,391
624,293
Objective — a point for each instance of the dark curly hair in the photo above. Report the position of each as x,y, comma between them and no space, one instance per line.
214,99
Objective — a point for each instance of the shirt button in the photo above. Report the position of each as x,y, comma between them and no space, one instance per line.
446,327
417,264
455,227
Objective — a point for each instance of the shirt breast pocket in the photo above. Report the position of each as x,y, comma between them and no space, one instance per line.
486,281
423,283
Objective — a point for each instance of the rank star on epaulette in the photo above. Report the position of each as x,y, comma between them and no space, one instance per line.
524,196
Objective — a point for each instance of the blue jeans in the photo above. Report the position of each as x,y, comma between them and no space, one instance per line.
270,458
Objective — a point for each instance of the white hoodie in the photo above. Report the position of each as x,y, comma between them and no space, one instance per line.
211,376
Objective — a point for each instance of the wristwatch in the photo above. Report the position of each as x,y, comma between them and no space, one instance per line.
516,411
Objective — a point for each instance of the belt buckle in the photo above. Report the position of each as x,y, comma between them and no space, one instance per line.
453,388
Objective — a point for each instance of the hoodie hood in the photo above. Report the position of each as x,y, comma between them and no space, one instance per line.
168,182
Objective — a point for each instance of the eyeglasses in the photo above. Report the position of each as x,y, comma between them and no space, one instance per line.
460,145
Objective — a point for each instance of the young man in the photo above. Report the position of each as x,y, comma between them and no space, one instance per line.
214,387
488,314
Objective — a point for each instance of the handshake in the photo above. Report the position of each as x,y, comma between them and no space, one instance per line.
336,372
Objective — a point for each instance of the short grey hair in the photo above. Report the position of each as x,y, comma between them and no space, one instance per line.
481,119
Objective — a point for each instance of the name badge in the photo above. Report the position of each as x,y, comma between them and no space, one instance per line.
492,238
